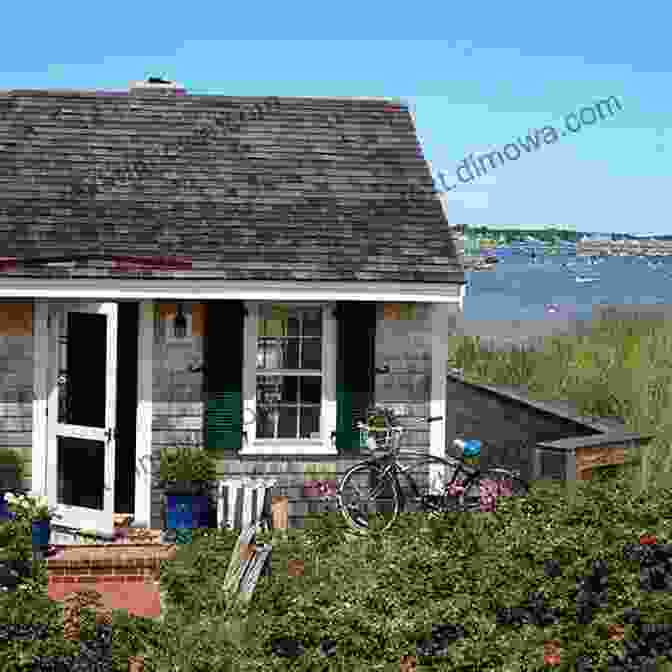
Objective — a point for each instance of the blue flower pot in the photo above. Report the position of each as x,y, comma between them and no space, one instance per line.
5,513
41,530
187,511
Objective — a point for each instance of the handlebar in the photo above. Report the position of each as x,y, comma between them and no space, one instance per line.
363,425
422,420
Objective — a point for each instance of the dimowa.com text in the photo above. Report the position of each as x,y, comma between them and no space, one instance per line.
586,116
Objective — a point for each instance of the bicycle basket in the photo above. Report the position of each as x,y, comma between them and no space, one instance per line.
375,439
379,421
380,417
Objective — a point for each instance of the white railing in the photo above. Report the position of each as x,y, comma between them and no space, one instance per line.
239,493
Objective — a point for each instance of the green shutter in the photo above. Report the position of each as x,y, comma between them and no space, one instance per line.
223,357
355,368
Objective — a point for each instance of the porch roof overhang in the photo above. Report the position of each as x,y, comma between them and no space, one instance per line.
205,290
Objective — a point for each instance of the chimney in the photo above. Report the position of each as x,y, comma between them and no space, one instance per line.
158,86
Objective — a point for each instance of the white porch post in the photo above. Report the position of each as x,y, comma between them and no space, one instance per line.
40,368
437,403
143,443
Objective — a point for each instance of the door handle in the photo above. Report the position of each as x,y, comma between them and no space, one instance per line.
108,460
110,432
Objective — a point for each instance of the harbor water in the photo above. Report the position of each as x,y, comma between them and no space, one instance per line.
529,294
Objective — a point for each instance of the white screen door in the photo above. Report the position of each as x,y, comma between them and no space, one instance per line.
81,414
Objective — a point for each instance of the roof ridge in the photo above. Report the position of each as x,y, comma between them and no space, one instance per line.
190,92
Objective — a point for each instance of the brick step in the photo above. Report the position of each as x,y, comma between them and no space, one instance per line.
125,575
142,559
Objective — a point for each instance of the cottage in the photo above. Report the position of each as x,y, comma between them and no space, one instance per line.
248,274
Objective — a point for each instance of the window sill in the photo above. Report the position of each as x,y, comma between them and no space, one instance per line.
273,447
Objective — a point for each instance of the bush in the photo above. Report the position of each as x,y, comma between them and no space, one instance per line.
12,459
378,598
186,469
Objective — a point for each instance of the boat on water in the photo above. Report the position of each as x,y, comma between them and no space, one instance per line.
580,278
477,263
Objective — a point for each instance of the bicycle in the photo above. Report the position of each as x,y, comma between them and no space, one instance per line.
462,487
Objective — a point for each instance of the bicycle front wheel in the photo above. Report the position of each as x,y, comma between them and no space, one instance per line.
368,501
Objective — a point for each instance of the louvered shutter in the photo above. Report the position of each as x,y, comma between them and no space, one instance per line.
223,356
355,368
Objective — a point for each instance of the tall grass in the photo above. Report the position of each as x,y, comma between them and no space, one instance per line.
621,367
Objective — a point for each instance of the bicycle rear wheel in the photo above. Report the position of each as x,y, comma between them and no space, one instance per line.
368,501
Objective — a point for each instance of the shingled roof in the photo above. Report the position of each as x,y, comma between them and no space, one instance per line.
308,189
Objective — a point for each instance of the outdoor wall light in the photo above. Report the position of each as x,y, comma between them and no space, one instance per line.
180,322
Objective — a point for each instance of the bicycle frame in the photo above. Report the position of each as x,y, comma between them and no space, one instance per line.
394,469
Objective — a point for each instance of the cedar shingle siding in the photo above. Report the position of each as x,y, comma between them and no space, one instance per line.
245,188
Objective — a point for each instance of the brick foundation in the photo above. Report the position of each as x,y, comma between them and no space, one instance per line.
126,575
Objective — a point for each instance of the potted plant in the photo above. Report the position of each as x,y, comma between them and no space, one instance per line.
11,476
186,474
36,509
319,480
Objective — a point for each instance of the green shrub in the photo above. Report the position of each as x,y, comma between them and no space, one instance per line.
10,457
185,466
378,596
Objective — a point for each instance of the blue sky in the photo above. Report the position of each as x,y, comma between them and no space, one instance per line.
477,77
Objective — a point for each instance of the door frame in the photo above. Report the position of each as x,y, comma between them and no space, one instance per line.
42,385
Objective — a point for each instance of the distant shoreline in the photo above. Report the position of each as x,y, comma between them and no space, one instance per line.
503,334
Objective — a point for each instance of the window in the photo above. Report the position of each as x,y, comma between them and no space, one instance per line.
288,375
289,372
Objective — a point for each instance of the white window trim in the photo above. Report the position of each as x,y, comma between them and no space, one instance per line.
321,446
